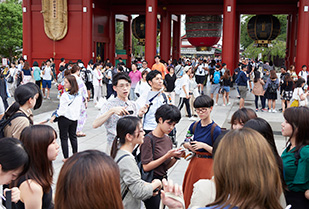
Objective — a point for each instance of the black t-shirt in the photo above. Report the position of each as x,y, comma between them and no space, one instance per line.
170,82
226,82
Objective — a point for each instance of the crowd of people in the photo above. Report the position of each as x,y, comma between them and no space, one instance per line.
236,168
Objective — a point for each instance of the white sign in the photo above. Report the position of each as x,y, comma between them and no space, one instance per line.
229,8
305,8
149,9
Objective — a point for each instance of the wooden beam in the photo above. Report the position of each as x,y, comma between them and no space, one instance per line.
123,18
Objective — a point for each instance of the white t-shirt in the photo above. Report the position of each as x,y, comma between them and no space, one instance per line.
185,81
304,75
47,76
200,69
296,96
2,110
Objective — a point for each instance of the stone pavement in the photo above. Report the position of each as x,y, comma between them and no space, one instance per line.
96,138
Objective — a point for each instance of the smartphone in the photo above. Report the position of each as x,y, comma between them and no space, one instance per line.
130,112
156,190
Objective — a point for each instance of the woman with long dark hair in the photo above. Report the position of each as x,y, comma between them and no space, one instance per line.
68,114
226,83
88,180
133,189
296,156
35,185
27,97
14,162
258,91
271,89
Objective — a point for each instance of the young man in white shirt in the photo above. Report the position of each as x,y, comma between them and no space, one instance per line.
184,93
144,67
47,77
304,74
117,107
200,74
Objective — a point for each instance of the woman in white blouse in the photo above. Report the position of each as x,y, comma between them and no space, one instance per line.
68,114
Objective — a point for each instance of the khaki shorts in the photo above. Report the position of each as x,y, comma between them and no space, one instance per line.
242,91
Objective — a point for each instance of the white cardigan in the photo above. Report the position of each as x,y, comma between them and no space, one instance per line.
70,106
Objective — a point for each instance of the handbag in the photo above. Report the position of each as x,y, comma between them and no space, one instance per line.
10,79
145,175
295,103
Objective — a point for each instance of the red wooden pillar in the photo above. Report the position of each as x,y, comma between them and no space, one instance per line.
292,28
151,30
87,31
237,43
288,39
27,35
228,42
176,39
165,37
127,40
112,42
302,55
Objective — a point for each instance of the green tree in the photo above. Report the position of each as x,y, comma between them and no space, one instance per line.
11,24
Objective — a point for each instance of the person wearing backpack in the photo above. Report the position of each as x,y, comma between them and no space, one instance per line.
205,132
157,154
215,79
242,82
295,157
19,114
133,188
271,89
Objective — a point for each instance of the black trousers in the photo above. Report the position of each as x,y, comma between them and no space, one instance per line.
186,101
67,129
154,201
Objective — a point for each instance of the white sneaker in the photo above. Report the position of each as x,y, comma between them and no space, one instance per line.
228,104
216,104
223,105
274,111
192,118
269,110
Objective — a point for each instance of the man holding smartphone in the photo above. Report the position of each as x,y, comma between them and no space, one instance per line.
118,107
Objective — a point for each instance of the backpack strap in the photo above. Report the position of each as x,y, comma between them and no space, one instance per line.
16,115
214,125
127,188
194,126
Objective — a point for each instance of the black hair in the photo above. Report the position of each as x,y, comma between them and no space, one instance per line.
13,155
168,112
22,94
299,82
283,67
203,101
157,56
242,116
35,64
303,66
151,75
62,59
90,62
109,65
257,76
264,128
95,65
125,125
145,61
120,76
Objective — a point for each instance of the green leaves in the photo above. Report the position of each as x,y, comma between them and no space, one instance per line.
11,25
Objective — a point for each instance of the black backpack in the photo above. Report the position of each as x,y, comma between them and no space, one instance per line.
272,87
7,121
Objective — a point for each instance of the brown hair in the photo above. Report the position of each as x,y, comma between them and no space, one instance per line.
36,140
242,116
144,73
297,117
227,74
89,180
248,178
74,69
74,86
273,74
292,68
26,66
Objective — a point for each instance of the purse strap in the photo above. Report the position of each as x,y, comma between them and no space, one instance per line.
127,188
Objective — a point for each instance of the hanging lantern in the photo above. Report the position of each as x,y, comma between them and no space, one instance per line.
263,29
203,31
138,28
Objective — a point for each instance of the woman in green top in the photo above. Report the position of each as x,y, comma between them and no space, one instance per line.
37,73
296,156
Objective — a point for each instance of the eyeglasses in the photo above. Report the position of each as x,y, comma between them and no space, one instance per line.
124,85
201,110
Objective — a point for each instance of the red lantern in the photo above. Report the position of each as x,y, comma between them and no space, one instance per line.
203,31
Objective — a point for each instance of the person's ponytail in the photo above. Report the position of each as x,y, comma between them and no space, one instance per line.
115,148
11,110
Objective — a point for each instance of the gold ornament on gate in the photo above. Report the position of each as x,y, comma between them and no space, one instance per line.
55,15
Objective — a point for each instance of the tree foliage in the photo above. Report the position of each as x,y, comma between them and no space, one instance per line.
11,24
